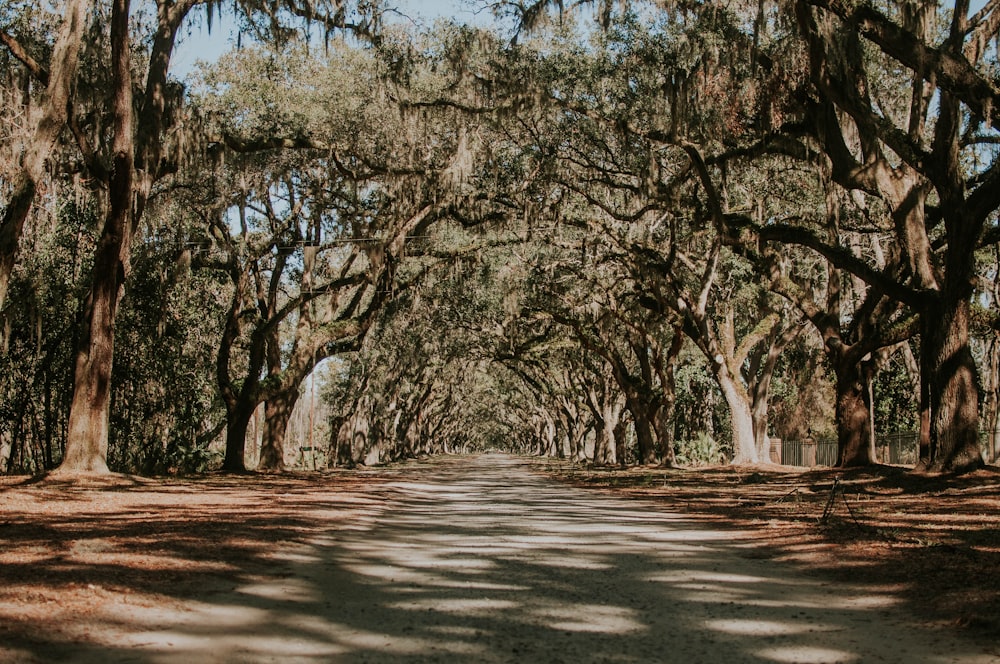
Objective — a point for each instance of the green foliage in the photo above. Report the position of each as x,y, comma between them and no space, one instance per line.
39,333
568,232
702,450
187,460
802,392
164,400
697,400
895,403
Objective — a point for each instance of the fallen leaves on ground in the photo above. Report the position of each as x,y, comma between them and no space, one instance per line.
935,537
77,547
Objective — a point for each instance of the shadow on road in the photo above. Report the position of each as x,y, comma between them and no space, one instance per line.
479,560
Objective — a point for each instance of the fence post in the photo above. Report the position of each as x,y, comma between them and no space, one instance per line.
809,452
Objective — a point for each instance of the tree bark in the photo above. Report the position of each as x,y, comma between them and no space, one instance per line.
604,442
954,395
744,444
63,67
855,446
645,445
606,407
277,412
619,434
664,419
762,365
87,440
237,424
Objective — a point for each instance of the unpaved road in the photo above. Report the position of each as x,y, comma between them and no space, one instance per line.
482,560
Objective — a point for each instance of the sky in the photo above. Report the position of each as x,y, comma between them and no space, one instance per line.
200,45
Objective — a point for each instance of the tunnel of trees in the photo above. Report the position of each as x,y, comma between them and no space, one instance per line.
623,232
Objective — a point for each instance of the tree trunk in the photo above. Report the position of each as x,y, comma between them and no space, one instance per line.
645,446
664,418
237,424
664,424
953,383
621,442
744,445
550,444
277,412
611,412
763,364
759,416
855,446
87,440
62,74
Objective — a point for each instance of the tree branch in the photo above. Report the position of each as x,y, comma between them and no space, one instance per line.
951,73
39,72
842,258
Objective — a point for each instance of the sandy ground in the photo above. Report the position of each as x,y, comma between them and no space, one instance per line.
456,560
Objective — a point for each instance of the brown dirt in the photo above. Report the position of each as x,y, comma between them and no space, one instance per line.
74,547
937,538
79,555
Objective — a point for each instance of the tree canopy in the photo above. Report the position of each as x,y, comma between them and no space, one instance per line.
671,235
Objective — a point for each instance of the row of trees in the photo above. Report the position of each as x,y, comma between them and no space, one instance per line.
674,236
743,175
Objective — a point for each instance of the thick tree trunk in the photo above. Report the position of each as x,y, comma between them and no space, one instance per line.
645,445
603,442
664,419
664,427
759,417
277,412
605,422
621,442
87,439
65,58
762,367
741,417
855,446
550,439
953,384
237,424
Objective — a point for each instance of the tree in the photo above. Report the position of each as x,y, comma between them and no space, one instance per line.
140,154
59,78
911,148
905,162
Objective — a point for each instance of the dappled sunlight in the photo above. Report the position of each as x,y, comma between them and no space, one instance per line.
591,618
808,655
467,565
469,606
576,563
688,578
830,601
758,628
289,590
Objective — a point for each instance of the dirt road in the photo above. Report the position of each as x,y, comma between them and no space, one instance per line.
482,560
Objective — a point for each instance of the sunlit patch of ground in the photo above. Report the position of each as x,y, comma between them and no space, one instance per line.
245,568
87,560
937,538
